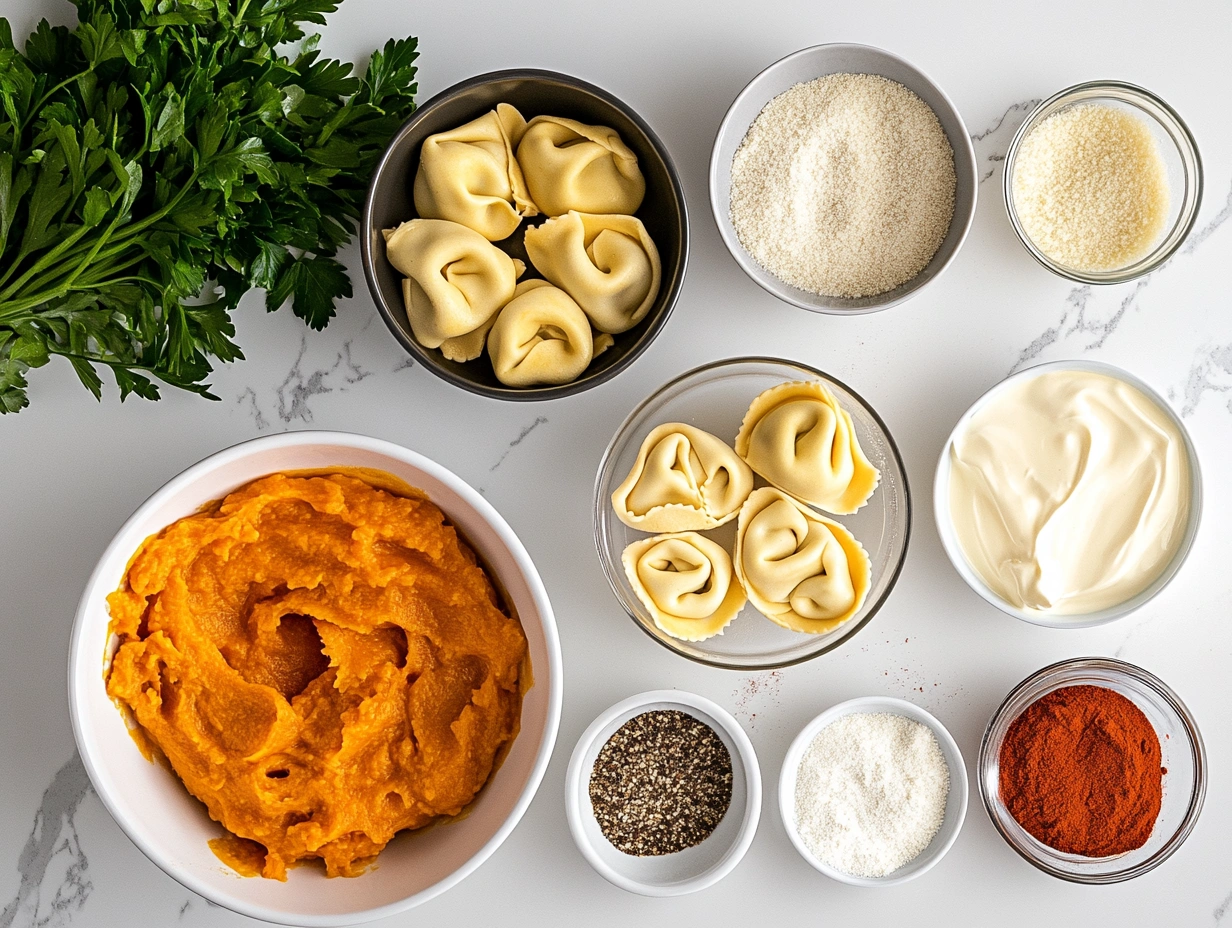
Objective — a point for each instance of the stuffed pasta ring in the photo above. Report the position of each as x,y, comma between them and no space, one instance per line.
686,583
802,441
799,569
607,263
684,479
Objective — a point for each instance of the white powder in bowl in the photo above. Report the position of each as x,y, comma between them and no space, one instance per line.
844,186
871,792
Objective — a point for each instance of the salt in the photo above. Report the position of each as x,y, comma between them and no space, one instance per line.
871,792
844,186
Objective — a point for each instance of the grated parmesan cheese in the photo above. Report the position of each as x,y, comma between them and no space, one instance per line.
1090,187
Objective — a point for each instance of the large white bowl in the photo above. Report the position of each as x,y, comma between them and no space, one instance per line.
949,535
172,828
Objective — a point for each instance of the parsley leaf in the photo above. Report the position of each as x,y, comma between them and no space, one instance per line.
162,158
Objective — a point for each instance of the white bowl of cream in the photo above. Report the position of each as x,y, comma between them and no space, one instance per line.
1069,494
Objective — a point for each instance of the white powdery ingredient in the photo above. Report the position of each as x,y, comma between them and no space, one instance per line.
871,792
844,186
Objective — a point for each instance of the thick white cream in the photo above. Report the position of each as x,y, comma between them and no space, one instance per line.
1069,492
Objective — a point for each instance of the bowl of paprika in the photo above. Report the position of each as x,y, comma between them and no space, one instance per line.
1093,770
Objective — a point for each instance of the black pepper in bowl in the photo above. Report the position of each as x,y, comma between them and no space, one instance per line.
661,784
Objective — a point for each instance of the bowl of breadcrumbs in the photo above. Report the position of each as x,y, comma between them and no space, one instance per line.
843,179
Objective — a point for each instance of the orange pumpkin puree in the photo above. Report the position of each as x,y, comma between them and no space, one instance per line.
323,664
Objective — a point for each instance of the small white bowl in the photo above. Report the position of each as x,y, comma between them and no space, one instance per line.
693,868
955,804
808,64
953,548
172,828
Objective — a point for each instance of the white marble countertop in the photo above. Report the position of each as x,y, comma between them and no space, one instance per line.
74,470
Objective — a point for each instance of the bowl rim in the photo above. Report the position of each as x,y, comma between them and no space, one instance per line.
670,288
953,548
82,667
784,291
1125,670
753,792
959,786
610,571
1185,222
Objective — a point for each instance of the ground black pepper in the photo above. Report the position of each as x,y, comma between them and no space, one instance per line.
661,784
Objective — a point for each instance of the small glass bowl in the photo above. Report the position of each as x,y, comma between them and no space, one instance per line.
1183,755
715,397
1180,153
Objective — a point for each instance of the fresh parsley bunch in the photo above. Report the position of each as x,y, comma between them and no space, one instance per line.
164,145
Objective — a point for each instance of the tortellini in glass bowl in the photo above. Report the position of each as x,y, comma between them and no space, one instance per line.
815,578
684,479
474,186
800,569
687,583
799,438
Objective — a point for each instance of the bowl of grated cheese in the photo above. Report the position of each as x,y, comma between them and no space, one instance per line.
843,180
1103,182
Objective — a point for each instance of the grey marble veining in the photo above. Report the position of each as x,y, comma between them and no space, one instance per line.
1211,372
52,864
992,142
522,436
1090,316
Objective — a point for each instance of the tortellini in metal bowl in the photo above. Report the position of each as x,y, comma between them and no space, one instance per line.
801,570
540,337
456,281
474,185
607,263
684,479
470,175
686,583
569,165
799,438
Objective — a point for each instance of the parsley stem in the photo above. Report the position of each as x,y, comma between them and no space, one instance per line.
41,264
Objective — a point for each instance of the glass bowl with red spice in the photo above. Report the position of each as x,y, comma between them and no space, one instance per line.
1093,770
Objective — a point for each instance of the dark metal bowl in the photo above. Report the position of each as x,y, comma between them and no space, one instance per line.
534,93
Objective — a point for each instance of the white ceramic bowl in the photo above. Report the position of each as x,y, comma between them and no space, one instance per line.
693,868
953,548
809,64
172,828
955,805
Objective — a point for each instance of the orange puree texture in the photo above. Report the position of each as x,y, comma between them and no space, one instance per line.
323,664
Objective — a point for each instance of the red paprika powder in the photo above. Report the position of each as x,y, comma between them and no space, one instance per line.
1080,771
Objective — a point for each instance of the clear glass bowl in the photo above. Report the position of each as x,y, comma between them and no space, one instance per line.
715,397
1180,153
1183,755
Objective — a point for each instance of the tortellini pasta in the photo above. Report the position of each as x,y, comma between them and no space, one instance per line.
470,175
456,280
540,337
684,479
686,583
799,438
607,263
801,570
569,165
